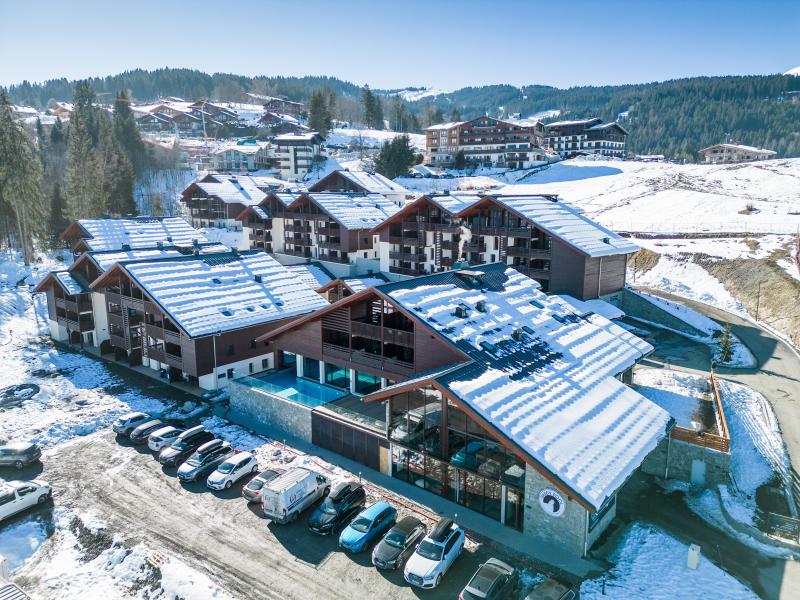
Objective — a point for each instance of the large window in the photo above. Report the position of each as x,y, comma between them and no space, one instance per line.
311,368
366,383
337,376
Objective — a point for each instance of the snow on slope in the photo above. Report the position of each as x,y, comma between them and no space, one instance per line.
371,137
662,197
412,95
651,564
795,71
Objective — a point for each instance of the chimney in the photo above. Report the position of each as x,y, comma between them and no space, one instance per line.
606,240
126,247
196,252
160,245
235,250
257,277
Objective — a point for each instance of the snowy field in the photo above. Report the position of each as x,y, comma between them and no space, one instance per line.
373,138
651,564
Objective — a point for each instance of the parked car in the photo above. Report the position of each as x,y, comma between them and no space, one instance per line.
127,423
19,454
344,501
141,432
494,580
232,470
161,438
205,459
435,555
369,525
252,491
16,496
285,497
184,446
552,589
398,543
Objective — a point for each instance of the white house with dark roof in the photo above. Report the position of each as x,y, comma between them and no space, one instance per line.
733,153
586,136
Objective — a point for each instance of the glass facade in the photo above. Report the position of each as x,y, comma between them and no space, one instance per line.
311,368
366,383
436,446
337,376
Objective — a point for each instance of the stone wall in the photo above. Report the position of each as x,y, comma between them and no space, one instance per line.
681,455
567,531
637,307
268,414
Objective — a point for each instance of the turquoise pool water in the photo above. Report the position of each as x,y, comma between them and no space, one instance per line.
287,385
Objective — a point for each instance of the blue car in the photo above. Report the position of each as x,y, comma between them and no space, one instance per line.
369,525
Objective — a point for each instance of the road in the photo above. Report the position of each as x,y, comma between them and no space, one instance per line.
777,376
219,533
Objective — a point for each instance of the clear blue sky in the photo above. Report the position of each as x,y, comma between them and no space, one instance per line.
436,43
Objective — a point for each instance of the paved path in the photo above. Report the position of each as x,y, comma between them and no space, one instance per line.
777,376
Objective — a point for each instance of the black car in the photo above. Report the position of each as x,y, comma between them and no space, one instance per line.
398,543
494,580
184,446
343,502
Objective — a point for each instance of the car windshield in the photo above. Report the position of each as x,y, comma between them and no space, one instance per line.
226,467
329,507
180,445
194,461
256,484
361,524
429,550
395,538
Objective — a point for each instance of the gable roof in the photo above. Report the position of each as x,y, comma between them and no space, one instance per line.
450,203
753,149
71,283
350,210
135,232
551,390
105,259
564,222
312,274
207,294
369,182
234,189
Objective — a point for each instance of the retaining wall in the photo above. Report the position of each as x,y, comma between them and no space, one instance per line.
266,413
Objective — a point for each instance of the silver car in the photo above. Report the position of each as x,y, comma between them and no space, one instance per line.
207,458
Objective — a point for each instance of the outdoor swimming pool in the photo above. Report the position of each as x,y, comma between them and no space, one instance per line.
287,385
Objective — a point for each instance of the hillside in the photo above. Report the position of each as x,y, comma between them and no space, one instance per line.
675,118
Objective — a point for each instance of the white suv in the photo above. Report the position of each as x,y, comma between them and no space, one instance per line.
232,470
16,496
434,555
161,438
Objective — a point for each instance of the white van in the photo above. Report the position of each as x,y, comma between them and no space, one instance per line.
286,496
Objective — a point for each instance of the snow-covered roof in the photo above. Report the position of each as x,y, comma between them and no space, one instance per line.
310,136
454,202
596,305
139,232
71,284
106,259
541,375
356,284
219,292
312,275
350,210
241,148
742,147
568,224
235,189
445,125
374,183
575,122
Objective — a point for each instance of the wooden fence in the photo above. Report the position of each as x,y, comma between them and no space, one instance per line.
721,443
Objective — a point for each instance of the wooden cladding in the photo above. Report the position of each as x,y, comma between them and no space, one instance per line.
337,320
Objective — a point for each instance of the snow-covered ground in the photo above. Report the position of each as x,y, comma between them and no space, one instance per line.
651,564
373,138
680,394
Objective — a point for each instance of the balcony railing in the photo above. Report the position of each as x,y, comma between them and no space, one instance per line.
302,227
330,244
173,360
118,341
334,351
334,231
299,240
409,256
293,252
406,241
535,253
474,247
407,271
337,259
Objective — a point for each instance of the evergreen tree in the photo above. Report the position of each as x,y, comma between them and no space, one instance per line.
57,135
396,157
57,223
21,196
126,133
726,344
373,110
117,176
460,161
455,115
83,178
319,118
332,102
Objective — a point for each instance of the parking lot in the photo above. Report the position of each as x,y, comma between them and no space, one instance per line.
218,532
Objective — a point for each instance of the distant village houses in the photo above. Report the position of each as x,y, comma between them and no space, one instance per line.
733,153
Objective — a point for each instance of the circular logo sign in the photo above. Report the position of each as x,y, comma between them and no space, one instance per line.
551,502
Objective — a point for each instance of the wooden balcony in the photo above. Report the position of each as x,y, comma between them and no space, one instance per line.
474,247
330,244
334,351
292,252
345,260
159,333
297,227
173,360
406,241
535,253
118,341
333,231
298,240
155,353
114,297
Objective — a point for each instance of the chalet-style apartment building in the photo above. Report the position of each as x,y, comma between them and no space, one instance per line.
365,182
475,386
241,155
188,117
487,142
332,227
190,312
733,153
296,153
585,136
541,236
